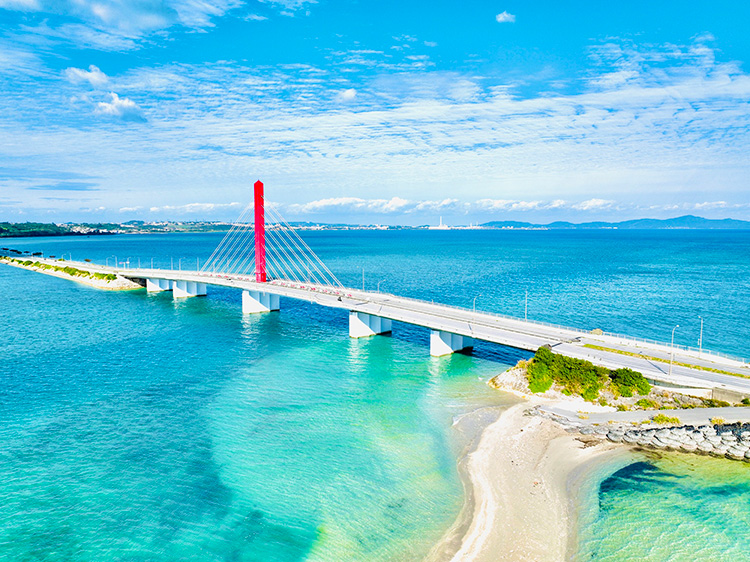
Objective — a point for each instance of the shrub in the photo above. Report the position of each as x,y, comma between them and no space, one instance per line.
711,403
717,421
540,379
627,381
661,418
745,401
647,404
622,408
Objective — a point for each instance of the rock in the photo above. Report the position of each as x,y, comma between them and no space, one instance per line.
736,453
714,439
747,455
587,430
705,447
601,430
663,433
644,441
729,438
720,450
688,447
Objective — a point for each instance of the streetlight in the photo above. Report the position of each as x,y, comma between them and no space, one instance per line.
363,278
526,307
700,339
171,262
671,355
474,304
179,264
379,282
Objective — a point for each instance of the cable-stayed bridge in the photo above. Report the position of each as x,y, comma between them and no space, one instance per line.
267,259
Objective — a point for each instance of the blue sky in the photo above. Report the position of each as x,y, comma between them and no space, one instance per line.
387,112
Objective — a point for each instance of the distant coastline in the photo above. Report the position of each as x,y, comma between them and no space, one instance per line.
29,229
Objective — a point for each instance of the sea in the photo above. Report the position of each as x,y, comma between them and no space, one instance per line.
135,427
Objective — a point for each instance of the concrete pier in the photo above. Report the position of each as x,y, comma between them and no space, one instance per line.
254,302
445,343
157,285
184,289
363,325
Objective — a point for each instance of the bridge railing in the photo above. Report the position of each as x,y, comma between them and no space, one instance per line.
630,339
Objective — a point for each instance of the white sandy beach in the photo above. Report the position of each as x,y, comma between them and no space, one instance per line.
523,479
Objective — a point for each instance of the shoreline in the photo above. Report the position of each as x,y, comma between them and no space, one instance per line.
120,284
524,481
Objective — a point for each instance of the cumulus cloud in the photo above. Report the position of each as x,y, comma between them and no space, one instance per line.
392,205
348,95
593,205
196,207
124,108
505,17
93,76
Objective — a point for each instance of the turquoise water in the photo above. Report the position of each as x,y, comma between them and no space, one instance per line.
135,427
672,507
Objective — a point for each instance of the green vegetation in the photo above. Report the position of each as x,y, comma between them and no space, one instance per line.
661,418
718,421
8,230
627,381
647,404
72,271
577,376
662,360
745,402
711,403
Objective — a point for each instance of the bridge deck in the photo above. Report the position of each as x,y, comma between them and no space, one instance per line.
517,333
503,330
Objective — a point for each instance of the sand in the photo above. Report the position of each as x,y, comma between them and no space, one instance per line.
523,480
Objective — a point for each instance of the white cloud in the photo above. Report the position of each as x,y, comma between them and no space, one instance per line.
130,209
93,76
384,206
22,5
196,207
505,17
348,95
712,205
124,108
593,204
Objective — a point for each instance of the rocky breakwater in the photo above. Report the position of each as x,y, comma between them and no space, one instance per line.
730,440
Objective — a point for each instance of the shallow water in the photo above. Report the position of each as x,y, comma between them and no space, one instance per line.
135,427
670,507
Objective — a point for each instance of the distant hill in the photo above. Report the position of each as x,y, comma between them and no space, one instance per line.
684,222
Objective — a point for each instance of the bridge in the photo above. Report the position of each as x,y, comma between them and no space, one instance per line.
268,262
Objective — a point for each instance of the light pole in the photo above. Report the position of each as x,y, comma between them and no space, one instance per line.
152,263
179,264
526,307
198,264
474,304
363,278
379,282
671,355
171,262
139,263
700,339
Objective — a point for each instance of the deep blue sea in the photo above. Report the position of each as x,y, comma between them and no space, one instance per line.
135,427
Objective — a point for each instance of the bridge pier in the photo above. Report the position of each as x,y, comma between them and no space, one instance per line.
257,301
157,285
445,343
184,289
362,325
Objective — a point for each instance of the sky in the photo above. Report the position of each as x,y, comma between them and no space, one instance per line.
374,111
